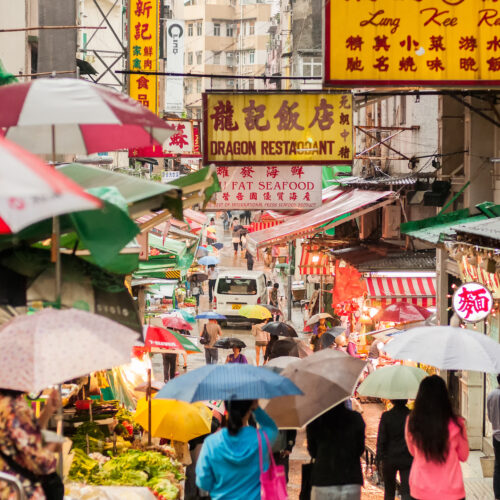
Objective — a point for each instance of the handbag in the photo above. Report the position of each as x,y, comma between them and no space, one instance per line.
52,484
306,483
273,481
204,336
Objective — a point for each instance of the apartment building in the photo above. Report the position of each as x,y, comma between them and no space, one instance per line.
224,37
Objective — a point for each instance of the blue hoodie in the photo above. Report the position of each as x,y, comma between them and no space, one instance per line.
228,466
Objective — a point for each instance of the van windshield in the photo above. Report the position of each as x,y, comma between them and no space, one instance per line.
237,286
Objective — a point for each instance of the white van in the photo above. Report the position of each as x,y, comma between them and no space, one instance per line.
236,288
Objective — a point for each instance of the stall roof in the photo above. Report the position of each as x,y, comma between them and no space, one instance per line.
489,228
345,202
168,245
195,216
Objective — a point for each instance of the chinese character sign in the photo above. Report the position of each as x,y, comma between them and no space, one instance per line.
271,187
472,302
427,42
277,128
143,51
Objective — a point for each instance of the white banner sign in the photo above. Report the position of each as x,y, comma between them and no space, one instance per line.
270,187
183,140
174,88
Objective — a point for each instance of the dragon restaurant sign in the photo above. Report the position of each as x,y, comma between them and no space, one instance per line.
472,302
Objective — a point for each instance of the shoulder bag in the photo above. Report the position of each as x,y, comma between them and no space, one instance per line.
273,481
204,339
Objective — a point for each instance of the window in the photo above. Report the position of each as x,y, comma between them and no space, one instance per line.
251,28
199,29
190,58
198,85
237,286
216,29
190,29
243,58
216,57
230,84
230,59
251,57
199,56
229,30
311,66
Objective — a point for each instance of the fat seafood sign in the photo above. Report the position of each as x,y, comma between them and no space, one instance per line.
442,43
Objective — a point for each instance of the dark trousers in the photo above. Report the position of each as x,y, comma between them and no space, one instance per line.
169,366
284,461
389,471
211,355
211,286
496,471
249,265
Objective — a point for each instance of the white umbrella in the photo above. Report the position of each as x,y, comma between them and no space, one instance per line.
447,348
315,319
52,346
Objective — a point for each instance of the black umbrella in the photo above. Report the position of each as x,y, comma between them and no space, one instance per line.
289,347
327,340
277,328
229,342
336,331
199,277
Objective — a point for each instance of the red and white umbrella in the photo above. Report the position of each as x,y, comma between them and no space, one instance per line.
69,116
31,191
402,312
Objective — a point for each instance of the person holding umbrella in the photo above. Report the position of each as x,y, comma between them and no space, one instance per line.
236,357
318,331
213,332
213,274
262,339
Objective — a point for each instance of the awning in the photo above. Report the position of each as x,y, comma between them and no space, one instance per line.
198,187
419,290
193,215
259,226
313,262
168,245
345,202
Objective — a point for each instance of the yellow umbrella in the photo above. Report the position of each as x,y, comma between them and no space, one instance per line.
255,312
211,229
172,419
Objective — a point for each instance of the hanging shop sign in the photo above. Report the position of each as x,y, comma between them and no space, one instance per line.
143,37
441,43
174,87
277,128
472,302
272,187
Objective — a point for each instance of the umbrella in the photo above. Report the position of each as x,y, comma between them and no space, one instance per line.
208,260
180,313
219,246
32,191
63,115
336,330
162,338
201,252
327,340
447,348
255,312
393,382
277,328
210,315
211,229
52,346
289,347
238,228
187,344
315,319
198,277
211,236
176,323
174,419
273,309
402,312
229,343
279,364
326,378
227,382
156,385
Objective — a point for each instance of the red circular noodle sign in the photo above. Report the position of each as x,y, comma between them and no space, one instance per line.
472,302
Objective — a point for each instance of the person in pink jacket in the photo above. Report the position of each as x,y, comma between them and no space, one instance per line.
437,439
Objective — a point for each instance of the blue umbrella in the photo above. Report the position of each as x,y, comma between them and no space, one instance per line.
210,315
228,382
201,252
209,260
219,246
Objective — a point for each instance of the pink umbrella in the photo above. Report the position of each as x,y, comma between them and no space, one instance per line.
402,312
31,191
69,116
176,323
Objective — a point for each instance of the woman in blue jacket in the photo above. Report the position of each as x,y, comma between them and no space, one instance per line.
228,465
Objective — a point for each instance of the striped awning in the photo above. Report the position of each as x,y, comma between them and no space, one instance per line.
420,291
258,226
313,263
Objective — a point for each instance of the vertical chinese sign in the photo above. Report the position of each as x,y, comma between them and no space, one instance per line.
143,51
441,43
277,128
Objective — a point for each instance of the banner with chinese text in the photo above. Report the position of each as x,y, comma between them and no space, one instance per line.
408,42
277,128
143,51
278,187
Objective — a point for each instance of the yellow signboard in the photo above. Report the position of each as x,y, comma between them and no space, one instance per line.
143,51
277,128
441,43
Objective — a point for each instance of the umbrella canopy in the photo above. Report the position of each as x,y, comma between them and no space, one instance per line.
289,347
447,348
229,343
393,382
174,419
211,229
180,313
52,346
208,260
327,340
279,364
161,338
219,246
227,382
255,312
336,330
31,191
187,344
279,329
210,315
198,277
273,309
402,312
83,117
201,252
326,378
315,319
176,323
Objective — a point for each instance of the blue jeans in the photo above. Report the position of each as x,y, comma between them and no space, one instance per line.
211,355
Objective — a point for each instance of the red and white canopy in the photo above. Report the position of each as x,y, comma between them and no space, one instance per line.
85,117
415,290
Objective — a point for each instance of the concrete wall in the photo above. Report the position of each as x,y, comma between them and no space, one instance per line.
13,46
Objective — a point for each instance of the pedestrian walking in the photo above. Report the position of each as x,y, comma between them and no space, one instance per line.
228,465
437,439
169,365
273,295
336,442
237,357
213,274
392,452
262,339
493,406
225,221
213,333
250,261
196,291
